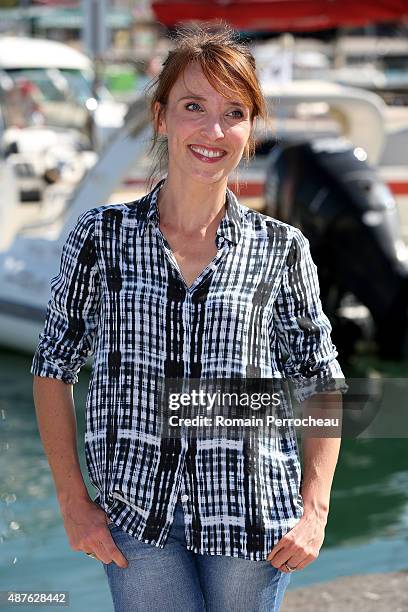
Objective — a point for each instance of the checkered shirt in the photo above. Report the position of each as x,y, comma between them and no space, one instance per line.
253,312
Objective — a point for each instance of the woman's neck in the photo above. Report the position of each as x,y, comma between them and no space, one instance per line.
189,209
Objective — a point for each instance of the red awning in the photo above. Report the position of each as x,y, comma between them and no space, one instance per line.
281,15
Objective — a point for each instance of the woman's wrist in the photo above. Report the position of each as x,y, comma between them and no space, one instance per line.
316,508
72,495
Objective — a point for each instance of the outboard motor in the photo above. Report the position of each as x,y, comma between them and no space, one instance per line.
326,189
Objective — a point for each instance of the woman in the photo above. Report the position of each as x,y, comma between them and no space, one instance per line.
186,283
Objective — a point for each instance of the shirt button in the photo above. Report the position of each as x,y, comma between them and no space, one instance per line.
184,498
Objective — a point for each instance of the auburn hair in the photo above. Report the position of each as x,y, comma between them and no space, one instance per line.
226,62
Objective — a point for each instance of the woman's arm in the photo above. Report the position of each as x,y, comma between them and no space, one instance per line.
71,324
84,521
320,452
55,411
302,327
72,315
304,332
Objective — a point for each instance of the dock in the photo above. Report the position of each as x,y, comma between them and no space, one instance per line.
359,593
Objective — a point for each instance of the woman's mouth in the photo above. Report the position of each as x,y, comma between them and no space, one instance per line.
207,155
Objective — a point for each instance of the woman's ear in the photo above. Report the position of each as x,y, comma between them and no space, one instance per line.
160,123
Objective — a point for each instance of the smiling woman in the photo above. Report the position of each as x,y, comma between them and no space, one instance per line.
204,105
211,75
203,125
187,283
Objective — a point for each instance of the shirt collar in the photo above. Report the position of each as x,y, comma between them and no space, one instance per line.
230,227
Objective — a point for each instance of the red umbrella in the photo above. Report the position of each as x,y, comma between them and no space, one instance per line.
281,15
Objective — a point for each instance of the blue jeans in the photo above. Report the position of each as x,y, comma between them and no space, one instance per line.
176,579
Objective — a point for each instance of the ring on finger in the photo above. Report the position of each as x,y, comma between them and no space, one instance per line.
289,567
90,554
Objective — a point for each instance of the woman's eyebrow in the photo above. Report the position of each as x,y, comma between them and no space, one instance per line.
197,97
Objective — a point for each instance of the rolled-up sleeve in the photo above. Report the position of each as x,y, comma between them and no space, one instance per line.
72,313
303,329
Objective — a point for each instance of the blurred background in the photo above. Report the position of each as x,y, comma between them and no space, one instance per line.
332,159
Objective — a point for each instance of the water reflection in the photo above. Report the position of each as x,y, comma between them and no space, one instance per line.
369,505
370,491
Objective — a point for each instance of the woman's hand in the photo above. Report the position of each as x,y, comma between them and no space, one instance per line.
86,525
299,546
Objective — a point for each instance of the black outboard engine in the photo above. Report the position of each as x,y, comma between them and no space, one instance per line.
326,189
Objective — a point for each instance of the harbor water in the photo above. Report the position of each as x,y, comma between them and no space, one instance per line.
367,529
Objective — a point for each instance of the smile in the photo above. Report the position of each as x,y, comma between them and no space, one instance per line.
202,152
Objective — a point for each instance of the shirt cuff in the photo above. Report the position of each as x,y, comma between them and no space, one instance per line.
330,378
41,367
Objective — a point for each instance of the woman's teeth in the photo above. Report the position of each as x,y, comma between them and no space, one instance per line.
207,153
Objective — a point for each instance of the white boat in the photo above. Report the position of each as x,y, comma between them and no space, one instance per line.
33,254
46,99
59,70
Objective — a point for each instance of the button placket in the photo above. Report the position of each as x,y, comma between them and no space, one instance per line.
186,309
170,256
220,240
210,268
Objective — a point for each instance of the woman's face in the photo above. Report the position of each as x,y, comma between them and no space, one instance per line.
206,132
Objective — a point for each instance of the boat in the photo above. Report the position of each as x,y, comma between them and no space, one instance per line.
65,78
119,175
326,188
32,254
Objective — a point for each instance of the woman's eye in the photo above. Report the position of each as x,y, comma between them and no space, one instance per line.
197,106
192,104
241,114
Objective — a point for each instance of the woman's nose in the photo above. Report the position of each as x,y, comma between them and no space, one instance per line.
213,128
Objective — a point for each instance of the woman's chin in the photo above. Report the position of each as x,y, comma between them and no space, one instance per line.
208,176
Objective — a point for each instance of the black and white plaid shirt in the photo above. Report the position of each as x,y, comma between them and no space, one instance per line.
253,312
